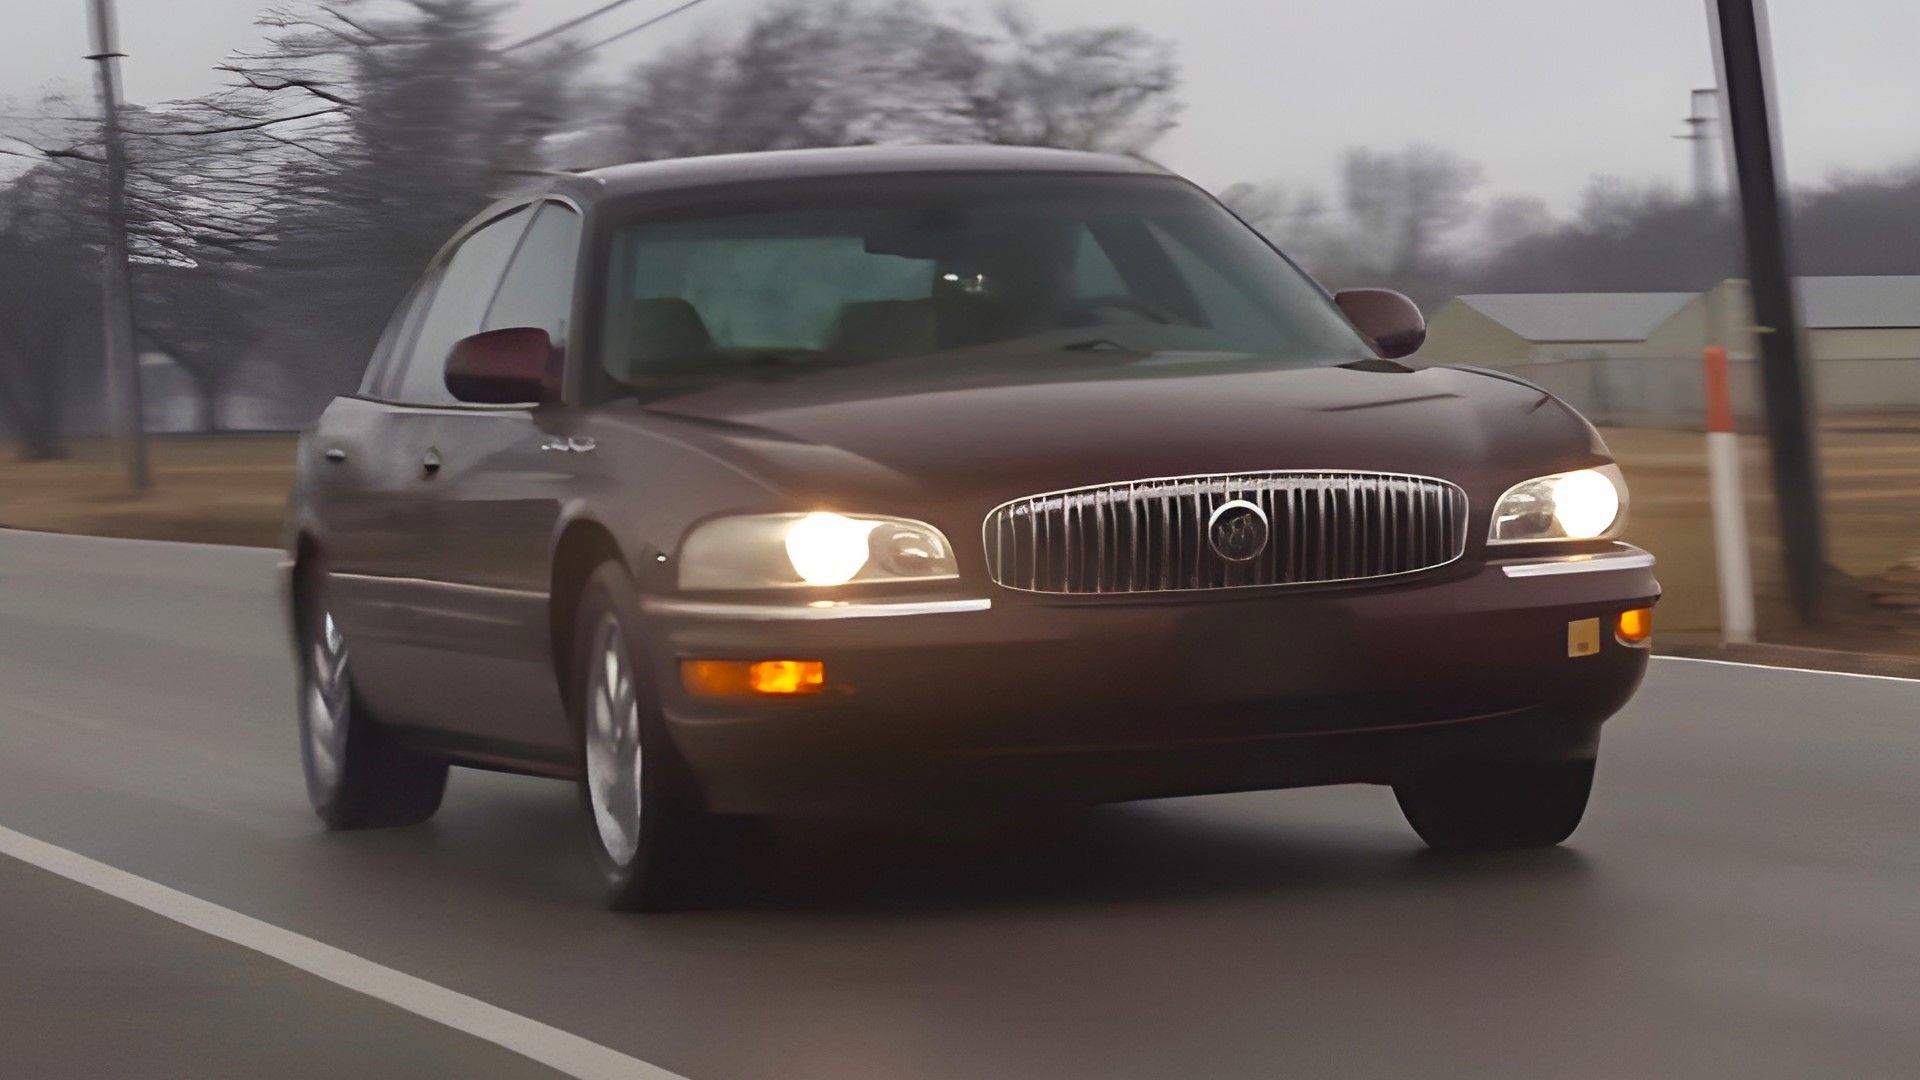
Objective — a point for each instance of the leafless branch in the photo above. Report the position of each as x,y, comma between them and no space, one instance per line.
229,128
286,82
42,153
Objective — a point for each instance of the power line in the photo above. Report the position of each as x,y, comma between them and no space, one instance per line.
566,26
636,28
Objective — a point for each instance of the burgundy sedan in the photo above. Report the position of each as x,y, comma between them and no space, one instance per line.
927,479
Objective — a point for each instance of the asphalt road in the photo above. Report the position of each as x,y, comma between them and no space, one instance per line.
1744,899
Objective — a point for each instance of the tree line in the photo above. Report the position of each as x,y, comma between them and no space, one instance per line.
1415,220
276,220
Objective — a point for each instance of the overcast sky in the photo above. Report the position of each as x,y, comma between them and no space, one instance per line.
1544,94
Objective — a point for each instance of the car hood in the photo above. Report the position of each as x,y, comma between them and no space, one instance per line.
990,431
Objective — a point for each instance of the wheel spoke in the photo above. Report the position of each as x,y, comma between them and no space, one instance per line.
328,699
613,744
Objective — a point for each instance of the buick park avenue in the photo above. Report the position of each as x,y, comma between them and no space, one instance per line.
917,480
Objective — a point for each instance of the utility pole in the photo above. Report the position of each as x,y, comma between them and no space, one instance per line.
1700,133
1742,57
123,372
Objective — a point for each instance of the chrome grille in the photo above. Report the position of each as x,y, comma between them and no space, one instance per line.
1151,535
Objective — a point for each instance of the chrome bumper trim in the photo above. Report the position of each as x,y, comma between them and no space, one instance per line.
820,609
430,583
1580,564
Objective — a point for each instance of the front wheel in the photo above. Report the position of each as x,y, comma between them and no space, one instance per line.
649,829
1490,805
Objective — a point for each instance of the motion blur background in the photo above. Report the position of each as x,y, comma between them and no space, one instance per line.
1540,174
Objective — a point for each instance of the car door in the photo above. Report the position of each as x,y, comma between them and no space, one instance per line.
388,581
505,473
363,481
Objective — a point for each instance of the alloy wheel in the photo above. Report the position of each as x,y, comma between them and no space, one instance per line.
613,743
328,697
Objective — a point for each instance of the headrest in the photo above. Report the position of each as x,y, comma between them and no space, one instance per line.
884,329
666,329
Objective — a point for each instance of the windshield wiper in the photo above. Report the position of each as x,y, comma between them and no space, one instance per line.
775,358
1099,345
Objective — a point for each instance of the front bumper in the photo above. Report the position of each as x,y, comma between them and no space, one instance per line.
1092,699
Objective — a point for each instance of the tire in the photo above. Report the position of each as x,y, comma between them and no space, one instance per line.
358,776
1493,805
653,840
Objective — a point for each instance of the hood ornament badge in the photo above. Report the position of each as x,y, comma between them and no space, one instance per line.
1238,531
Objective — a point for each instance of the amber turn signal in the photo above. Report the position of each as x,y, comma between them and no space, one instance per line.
735,678
1634,626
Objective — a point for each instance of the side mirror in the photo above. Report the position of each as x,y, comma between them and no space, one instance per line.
510,366
1391,321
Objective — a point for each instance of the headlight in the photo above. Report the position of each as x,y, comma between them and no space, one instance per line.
1586,504
779,551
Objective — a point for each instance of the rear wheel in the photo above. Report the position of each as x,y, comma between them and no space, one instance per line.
651,835
358,776
1497,804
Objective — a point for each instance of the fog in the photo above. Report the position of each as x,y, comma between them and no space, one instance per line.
1545,94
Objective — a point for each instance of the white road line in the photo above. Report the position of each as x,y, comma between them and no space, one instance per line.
1801,670
556,1049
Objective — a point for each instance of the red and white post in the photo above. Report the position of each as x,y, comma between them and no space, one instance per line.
1729,507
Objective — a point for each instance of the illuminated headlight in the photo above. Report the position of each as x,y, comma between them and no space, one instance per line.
1587,504
779,551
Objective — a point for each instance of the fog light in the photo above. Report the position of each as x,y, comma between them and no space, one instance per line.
1634,626
734,678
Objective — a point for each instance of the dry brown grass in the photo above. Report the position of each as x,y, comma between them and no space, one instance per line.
1871,497
215,489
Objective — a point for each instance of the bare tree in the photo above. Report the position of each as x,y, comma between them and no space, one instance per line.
1625,237
1405,203
418,122
1301,223
45,304
200,205
1510,219
1093,88
847,72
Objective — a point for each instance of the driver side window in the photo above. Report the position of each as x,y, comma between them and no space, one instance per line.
537,290
466,288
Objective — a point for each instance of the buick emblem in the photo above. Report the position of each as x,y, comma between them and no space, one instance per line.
1237,531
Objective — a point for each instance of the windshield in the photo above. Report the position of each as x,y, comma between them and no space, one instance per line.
961,267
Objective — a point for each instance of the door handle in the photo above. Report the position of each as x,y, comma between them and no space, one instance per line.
431,463
336,455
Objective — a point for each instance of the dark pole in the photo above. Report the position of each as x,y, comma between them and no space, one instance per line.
1741,54
123,371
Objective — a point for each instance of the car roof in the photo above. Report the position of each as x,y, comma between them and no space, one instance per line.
681,173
